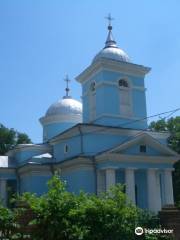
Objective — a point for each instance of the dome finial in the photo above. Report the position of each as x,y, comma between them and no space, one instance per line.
67,89
110,42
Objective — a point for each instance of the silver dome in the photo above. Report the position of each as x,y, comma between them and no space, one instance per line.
65,106
113,53
111,50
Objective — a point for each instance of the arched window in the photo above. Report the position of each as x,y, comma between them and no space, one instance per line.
92,101
93,86
123,83
66,148
125,98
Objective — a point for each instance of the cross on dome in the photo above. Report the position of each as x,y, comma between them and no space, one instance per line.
67,89
110,42
109,18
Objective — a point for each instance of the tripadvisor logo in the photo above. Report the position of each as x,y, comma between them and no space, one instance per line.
139,231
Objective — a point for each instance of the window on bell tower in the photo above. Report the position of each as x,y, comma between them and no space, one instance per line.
92,101
125,98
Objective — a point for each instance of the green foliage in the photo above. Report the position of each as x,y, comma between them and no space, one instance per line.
172,125
9,138
6,221
63,215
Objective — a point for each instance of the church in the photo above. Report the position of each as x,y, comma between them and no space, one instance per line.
100,142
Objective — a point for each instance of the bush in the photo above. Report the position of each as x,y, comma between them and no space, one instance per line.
62,215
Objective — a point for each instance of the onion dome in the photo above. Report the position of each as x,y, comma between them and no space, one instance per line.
61,115
111,50
65,106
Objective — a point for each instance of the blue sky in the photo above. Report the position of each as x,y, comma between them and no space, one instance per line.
43,40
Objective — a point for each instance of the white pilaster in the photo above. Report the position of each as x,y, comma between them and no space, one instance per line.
3,191
154,192
130,184
168,185
110,178
101,181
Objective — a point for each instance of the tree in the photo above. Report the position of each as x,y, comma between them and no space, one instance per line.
10,138
63,215
171,125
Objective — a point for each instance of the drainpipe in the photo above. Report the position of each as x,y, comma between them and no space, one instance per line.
18,181
95,172
81,139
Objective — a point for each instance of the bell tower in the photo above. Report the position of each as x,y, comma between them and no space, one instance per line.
113,88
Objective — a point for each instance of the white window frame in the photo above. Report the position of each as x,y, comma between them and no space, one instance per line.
125,108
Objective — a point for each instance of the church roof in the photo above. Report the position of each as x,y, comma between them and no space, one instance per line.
111,50
65,106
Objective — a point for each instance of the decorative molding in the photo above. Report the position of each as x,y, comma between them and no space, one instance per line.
147,139
29,147
74,164
34,169
125,158
122,67
72,118
115,84
119,116
89,128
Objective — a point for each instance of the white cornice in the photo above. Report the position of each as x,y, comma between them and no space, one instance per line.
72,118
146,139
115,84
125,158
34,169
30,147
119,116
122,67
74,164
87,129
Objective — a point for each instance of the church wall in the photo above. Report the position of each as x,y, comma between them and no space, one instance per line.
53,129
135,151
141,188
139,165
34,183
74,148
80,179
107,96
23,156
7,175
120,176
121,122
105,142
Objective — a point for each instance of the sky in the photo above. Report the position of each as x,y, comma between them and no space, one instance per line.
43,40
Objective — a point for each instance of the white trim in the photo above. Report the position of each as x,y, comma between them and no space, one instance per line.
122,67
34,169
148,140
107,130
101,83
127,158
72,118
74,164
130,184
29,147
119,116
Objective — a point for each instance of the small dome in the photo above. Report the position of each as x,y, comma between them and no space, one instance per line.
65,106
113,53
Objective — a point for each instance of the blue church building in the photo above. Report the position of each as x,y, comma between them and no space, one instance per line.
100,142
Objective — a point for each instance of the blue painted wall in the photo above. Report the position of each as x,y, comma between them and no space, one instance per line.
53,129
34,183
134,150
141,188
80,179
23,156
107,99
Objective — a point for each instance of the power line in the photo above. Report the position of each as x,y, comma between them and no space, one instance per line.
106,128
